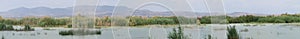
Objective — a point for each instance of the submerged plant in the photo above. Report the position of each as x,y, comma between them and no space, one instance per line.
232,33
177,34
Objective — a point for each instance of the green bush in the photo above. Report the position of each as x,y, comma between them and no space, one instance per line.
27,27
98,32
2,26
70,26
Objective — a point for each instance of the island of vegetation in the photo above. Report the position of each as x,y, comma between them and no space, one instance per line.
71,32
4,27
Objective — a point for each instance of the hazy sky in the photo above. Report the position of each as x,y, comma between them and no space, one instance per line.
253,6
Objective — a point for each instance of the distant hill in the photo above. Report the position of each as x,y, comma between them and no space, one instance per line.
101,11
45,11
236,14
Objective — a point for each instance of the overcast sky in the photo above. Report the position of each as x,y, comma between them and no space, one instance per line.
252,6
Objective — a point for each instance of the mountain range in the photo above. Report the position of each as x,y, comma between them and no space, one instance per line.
101,11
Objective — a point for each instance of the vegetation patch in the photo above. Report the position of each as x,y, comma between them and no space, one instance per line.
177,34
4,27
72,32
142,20
209,37
232,33
66,33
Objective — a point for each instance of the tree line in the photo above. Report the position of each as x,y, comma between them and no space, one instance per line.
139,20
283,18
36,21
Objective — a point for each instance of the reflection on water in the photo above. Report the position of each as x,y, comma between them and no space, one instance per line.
193,32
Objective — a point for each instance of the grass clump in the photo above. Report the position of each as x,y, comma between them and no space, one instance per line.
177,34
232,33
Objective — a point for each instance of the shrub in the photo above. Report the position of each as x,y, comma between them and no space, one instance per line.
98,32
27,27
69,26
2,26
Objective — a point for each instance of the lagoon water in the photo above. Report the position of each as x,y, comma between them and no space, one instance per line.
267,31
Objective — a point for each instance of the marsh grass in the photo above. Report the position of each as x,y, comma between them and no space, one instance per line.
232,33
177,34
